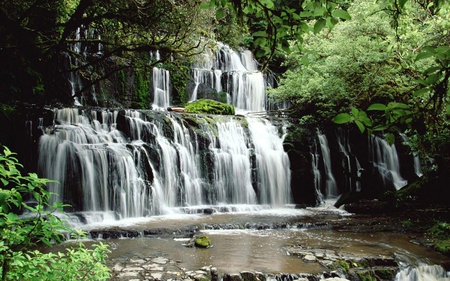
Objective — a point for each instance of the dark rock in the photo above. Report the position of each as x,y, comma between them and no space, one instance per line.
248,276
214,274
232,277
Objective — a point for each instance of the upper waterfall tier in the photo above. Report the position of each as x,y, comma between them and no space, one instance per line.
234,73
133,164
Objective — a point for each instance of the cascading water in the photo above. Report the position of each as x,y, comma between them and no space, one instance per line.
160,165
244,84
161,86
350,164
272,163
82,50
416,158
385,161
330,187
422,273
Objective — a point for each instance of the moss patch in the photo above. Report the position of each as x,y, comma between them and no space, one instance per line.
202,241
209,107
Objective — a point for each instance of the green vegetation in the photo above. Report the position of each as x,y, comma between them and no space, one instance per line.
202,241
342,264
440,233
24,226
209,107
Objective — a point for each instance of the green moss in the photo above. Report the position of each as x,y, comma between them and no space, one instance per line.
384,274
443,246
202,241
209,107
366,276
344,265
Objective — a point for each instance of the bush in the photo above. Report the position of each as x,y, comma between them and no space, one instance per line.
209,107
25,226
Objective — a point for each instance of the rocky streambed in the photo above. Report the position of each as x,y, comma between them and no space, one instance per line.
338,246
336,266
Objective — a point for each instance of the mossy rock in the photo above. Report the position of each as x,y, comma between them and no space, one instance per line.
204,106
202,241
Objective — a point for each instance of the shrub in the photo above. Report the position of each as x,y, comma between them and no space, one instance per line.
209,107
25,226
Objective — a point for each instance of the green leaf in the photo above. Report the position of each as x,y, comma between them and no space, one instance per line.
319,25
393,105
305,60
355,111
260,33
207,5
377,106
421,91
268,3
360,125
341,14
5,182
305,14
220,13
12,217
342,118
390,138
424,55
402,3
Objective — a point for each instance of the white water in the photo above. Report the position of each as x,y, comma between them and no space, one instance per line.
159,168
245,83
385,160
330,183
273,166
423,272
350,164
161,87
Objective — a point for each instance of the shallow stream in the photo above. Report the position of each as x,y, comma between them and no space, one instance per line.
235,250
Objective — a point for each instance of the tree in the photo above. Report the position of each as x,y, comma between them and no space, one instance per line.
277,24
46,42
27,220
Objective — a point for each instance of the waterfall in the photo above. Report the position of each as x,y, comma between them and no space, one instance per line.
350,164
330,182
385,161
416,158
245,84
82,50
151,163
422,273
273,167
161,85
315,162
324,181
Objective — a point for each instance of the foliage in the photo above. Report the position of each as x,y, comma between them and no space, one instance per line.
39,37
179,71
332,71
25,225
209,107
279,22
440,232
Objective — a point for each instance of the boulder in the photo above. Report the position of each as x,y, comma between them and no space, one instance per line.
202,241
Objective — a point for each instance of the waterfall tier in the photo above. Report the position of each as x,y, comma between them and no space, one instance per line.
133,164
